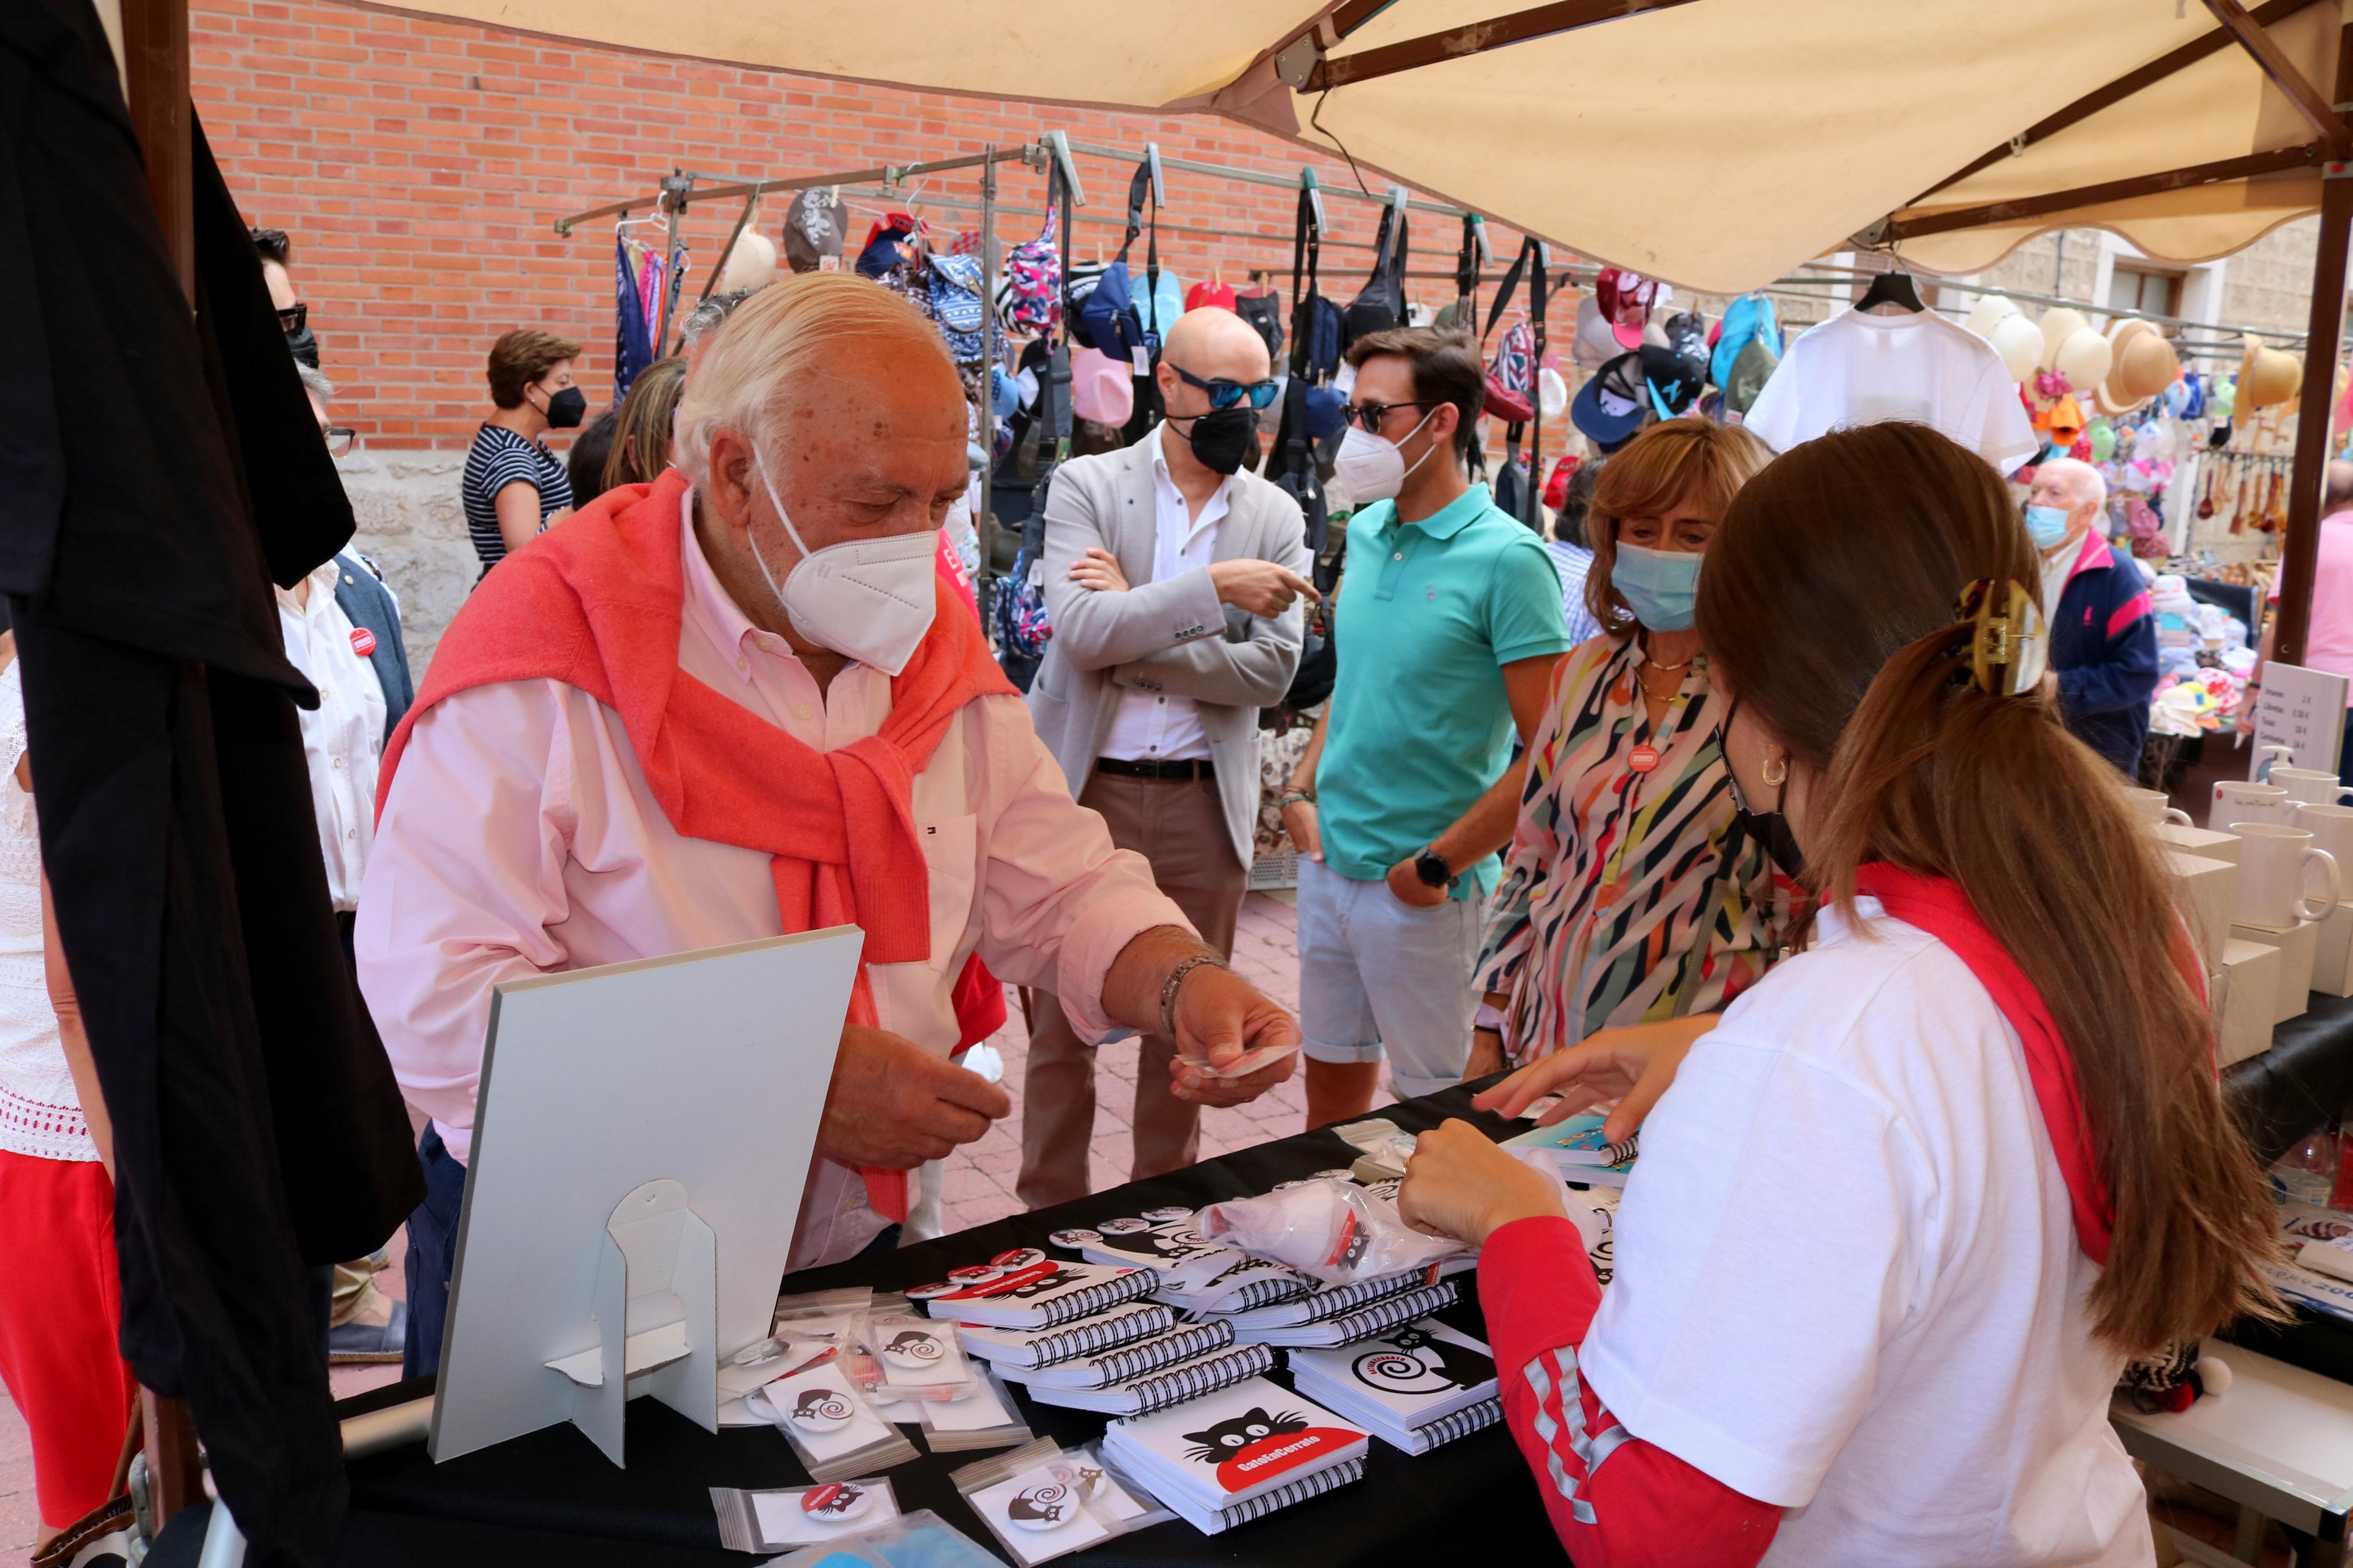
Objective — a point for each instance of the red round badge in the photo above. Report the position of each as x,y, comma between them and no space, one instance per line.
362,641
1643,759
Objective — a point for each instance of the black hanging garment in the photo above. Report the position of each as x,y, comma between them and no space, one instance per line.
1312,321
1150,409
161,472
1381,303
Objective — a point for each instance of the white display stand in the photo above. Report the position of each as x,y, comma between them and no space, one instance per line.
641,1139
2300,708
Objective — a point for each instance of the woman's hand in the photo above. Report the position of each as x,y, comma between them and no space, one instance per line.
1632,1066
1458,1183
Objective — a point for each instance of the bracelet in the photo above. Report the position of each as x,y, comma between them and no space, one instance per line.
1176,980
1299,797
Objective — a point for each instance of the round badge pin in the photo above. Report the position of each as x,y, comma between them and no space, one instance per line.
362,641
976,1274
819,1409
1019,1257
1041,1508
1124,1226
1170,1211
835,1499
933,1292
914,1348
1075,1237
1643,759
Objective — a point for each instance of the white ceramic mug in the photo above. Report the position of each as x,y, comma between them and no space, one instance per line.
2331,827
2235,802
2311,786
2154,805
2271,863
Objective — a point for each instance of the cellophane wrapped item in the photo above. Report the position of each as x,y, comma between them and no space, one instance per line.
1331,1230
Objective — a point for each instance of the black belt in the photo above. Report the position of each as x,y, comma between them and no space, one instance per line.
1186,771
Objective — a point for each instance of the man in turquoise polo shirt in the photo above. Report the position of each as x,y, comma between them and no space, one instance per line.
1448,623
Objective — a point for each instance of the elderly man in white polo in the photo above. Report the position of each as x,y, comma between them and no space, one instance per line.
728,705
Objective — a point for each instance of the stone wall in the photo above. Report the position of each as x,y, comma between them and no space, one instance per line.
411,526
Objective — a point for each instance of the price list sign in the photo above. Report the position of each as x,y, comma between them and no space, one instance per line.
2300,708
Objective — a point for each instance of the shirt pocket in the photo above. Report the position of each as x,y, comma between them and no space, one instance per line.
952,858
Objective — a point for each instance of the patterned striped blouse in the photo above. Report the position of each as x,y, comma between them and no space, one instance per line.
1628,896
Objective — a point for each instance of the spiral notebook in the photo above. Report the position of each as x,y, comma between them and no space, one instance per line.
1015,1348
1363,1323
1170,1386
1041,1296
1415,1385
1251,1441
1129,1362
1328,1301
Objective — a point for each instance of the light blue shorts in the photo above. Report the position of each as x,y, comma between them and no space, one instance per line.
1377,978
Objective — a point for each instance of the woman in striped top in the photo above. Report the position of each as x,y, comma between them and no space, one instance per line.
1631,894
514,488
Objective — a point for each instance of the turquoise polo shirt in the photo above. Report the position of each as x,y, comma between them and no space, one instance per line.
1420,726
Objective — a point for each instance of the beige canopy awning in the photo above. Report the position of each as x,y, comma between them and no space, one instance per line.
1713,143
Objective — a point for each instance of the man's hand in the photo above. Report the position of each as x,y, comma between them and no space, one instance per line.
894,1104
1219,1015
1099,570
1406,883
1261,587
1306,833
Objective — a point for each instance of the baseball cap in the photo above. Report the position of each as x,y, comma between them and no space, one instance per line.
1746,377
1750,318
1612,404
1673,381
813,229
1687,334
1624,299
1220,295
1101,388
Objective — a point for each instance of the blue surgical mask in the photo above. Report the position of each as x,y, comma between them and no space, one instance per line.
2046,525
1659,585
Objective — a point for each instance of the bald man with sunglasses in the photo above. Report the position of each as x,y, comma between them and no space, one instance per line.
1176,584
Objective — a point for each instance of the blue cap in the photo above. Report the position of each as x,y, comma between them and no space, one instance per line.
1749,318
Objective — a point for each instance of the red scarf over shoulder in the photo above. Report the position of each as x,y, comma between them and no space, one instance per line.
598,604
1937,905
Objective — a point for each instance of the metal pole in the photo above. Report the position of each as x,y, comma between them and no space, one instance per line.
2300,549
985,520
676,188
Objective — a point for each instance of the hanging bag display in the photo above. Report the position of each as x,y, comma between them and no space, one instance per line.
1149,409
1293,465
1381,303
1030,288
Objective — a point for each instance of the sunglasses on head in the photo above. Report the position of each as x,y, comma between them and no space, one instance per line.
1226,393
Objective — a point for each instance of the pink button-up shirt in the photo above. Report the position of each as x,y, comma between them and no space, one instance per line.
518,838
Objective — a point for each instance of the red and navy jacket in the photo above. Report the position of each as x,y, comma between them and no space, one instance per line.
2103,645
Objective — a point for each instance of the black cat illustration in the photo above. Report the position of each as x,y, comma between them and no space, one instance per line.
1151,1244
821,1405
1046,1504
839,1503
1054,1281
1215,1445
1414,1361
921,1346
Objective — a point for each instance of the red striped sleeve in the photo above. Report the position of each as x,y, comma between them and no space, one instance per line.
2131,610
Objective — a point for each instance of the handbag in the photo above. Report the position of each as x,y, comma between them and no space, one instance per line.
1380,304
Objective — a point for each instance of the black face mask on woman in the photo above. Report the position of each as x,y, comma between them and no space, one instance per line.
1223,439
1769,828
567,408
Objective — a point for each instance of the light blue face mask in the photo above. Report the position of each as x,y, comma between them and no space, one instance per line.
2046,525
1659,585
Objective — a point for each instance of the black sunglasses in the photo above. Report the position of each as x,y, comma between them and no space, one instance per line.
1226,393
340,438
295,317
1373,415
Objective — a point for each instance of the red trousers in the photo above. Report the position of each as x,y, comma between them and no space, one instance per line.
60,1313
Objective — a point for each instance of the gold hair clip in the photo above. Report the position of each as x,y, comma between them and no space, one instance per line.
2007,642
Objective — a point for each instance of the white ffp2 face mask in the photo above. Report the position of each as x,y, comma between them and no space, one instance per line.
867,599
1372,468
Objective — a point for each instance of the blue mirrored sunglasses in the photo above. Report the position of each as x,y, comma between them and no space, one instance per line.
1228,393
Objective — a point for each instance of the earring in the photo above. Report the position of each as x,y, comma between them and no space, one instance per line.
1777,772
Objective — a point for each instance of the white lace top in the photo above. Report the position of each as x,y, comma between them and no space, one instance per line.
40,1114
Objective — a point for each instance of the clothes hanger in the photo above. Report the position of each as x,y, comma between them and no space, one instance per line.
1892,288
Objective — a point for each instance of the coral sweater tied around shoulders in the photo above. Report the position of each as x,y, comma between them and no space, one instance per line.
598,604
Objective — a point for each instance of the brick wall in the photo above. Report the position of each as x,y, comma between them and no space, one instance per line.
418,165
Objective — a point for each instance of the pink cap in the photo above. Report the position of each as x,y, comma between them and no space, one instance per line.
1101,388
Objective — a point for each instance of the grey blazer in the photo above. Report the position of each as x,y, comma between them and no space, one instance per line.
1173,637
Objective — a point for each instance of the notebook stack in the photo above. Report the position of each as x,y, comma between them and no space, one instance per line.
1194,1275
1237,1454
1340,1314
1414,1387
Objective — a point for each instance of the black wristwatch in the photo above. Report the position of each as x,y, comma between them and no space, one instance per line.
1431,867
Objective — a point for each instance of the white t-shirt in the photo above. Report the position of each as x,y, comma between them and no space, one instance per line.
1848,1281
1860,369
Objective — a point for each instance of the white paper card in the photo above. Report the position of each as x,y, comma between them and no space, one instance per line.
2301,708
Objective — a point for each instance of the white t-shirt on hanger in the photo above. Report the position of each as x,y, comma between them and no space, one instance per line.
1860,369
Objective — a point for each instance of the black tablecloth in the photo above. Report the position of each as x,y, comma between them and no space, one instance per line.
549,1497
2304,1080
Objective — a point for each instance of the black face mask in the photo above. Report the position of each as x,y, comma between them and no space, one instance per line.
1221,440
567,408
305,346
1769,828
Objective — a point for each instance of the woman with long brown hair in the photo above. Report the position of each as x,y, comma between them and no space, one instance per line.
1899,1219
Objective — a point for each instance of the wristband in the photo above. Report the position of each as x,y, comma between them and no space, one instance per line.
1175,983
1297,796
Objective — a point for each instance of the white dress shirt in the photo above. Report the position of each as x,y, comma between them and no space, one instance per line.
343,738
1160,726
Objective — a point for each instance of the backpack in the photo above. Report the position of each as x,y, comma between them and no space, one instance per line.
1380,305
1313,334
1264,311
1511,376
955,285
1029,290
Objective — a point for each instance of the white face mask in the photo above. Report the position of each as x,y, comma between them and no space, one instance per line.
867,599
1374,469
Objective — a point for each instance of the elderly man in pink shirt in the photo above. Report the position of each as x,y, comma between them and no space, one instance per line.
722,707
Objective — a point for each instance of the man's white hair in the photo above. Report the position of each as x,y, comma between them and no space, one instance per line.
2082,480
780,337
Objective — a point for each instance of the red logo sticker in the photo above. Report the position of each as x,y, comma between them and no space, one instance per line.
362,641
1643,759
1282,1453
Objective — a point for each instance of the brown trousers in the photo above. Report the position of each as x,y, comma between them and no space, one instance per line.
1179,827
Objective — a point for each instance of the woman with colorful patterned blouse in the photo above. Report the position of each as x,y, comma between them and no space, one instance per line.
1632,894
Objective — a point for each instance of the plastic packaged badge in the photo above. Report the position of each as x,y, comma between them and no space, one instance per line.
1332,1230
1041,1502
829,1424
984,1418
800,1516
903,1354
918,1539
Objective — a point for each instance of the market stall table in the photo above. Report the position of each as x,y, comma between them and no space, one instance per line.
551,1496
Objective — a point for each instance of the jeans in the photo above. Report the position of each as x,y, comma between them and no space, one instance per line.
432,1256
